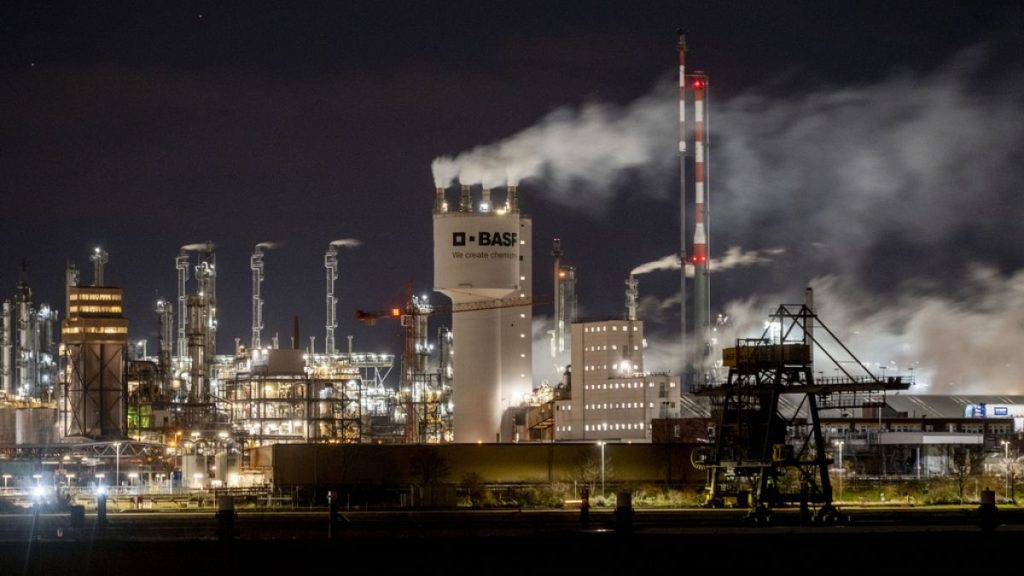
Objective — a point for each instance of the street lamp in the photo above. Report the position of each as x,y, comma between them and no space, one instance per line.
841,471
1006,461
601,444
117,471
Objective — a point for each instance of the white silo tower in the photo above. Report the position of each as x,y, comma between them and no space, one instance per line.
480,257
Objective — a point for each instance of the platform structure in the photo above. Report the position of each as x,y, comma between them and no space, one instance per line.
768,449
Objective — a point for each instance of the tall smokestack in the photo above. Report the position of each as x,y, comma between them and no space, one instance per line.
256,264
296,345
99,258
558,337
440,203
701,278
632,296
681,53
465,199
485,200
331,265
512,201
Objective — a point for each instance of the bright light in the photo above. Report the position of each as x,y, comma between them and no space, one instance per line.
39,491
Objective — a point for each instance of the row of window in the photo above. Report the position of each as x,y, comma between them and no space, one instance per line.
96,330
564,428
604,347
113,309
617,386
616,405
75,296
605,328
614,426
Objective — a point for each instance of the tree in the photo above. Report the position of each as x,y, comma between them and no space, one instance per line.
428,465
962,463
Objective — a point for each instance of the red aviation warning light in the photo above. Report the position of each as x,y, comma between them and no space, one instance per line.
698,83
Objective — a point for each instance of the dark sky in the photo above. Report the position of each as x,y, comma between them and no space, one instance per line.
875,147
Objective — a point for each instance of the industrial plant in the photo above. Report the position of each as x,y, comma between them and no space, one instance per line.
754,423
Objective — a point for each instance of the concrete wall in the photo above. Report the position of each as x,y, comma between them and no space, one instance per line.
402,465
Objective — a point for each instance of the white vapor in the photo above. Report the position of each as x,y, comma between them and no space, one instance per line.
347,243
898,200
734,257
588,148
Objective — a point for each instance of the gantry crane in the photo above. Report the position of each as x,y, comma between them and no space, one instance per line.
765,452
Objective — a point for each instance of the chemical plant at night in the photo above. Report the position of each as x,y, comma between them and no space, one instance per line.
788,418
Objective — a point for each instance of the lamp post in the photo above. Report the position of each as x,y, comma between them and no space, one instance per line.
117,470
1006,462
6,478
841,471
601,444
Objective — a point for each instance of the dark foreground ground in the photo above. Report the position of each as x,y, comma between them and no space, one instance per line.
508,542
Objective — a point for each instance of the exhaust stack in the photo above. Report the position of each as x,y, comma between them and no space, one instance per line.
331,265
686,351
256,264
99,259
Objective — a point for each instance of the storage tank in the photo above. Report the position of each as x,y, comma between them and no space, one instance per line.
7,425
35,426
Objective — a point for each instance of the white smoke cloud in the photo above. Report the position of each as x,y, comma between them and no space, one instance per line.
347,243
670,262
948,345
734,257
897,199
589,148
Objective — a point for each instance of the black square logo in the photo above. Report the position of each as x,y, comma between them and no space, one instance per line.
458,238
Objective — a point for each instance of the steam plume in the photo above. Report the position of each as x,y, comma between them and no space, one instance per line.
347,243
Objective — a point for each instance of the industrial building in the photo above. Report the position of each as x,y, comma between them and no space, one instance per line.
188,417
611,397
483,263
28,344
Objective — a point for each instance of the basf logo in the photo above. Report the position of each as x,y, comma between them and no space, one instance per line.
484,239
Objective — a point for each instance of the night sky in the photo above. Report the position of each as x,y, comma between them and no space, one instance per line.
873,150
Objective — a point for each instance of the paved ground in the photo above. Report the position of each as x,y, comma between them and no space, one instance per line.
498,542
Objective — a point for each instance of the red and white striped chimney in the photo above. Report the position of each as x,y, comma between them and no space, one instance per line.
700,238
